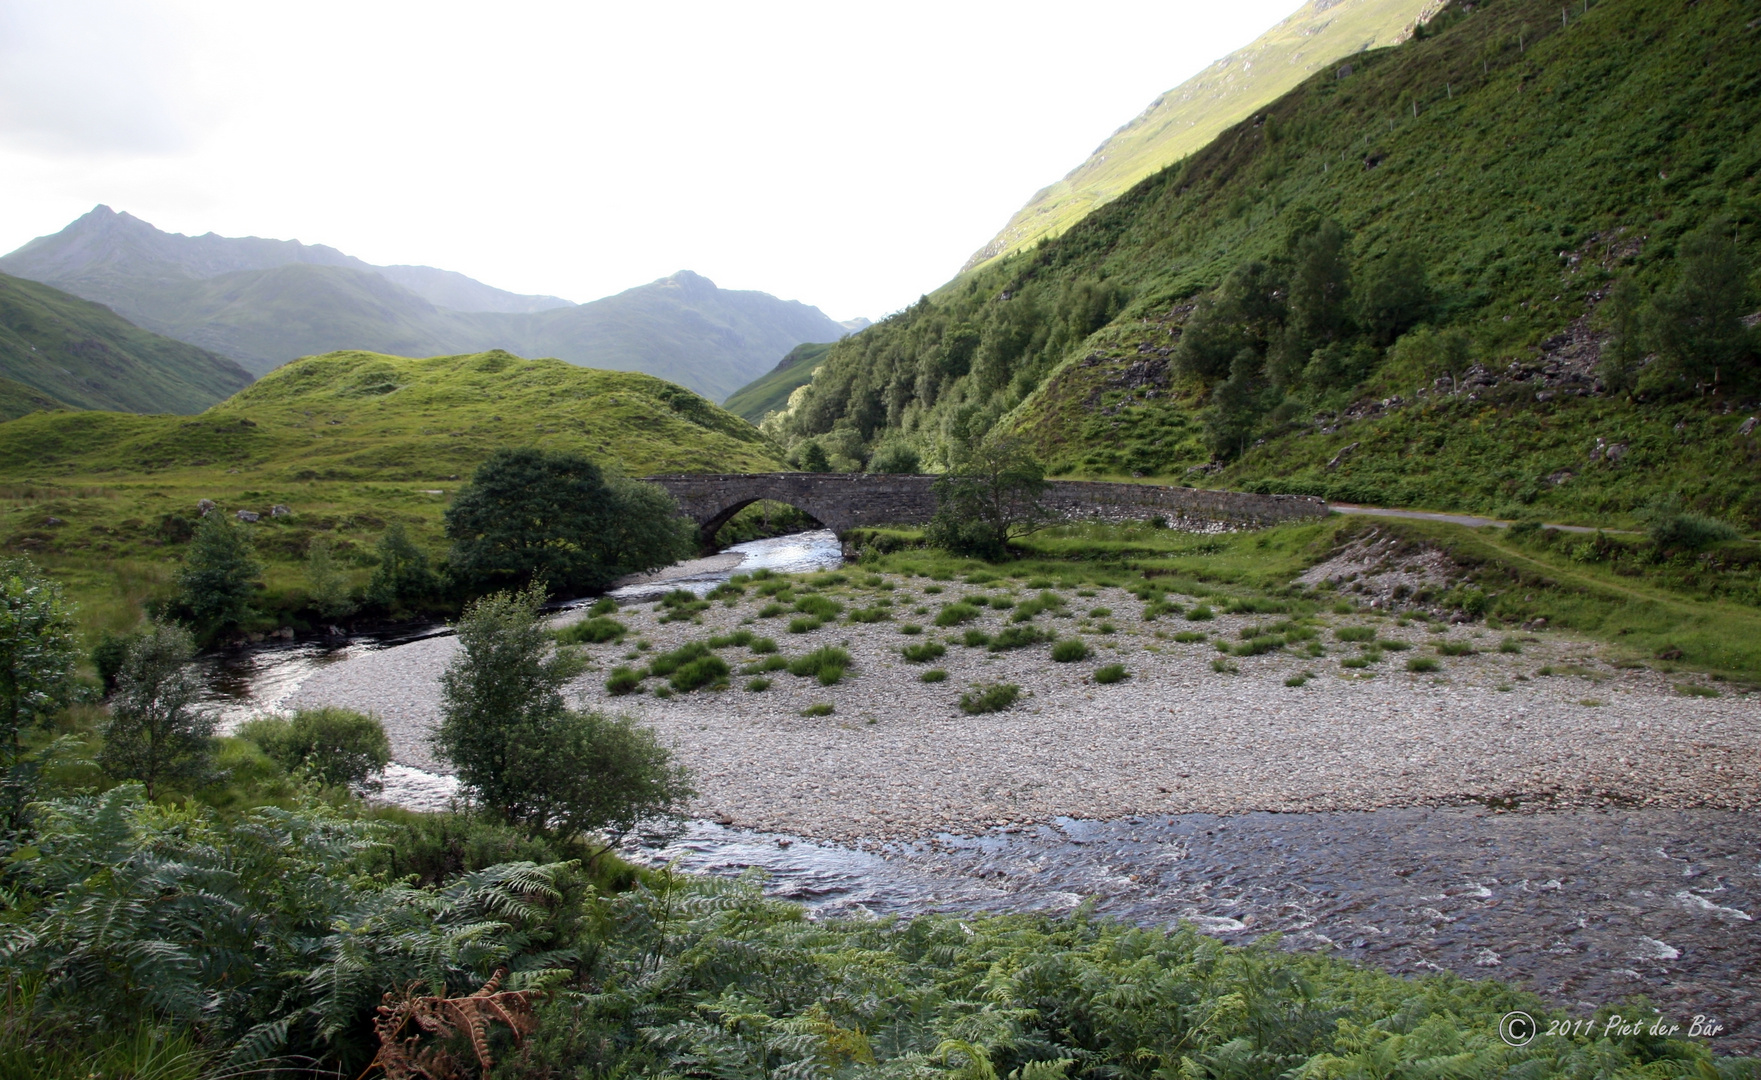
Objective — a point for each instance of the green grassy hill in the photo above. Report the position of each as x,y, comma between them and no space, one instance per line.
82,355
350,442
771,392
1523,166
1321,34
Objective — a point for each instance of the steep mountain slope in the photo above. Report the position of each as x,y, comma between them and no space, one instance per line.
770,392
265,302
80,354
1319,34
1518,164
17,399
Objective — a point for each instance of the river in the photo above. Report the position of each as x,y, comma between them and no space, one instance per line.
1587,908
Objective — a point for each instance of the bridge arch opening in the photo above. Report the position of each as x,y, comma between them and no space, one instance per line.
755,519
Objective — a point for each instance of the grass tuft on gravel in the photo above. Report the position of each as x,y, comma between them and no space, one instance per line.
994,697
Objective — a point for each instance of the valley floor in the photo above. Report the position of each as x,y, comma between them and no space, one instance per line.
1589,833
1551,727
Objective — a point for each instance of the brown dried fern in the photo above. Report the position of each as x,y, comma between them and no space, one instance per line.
439,1018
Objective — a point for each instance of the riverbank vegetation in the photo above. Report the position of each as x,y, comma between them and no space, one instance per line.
351,454
1673,598
246,916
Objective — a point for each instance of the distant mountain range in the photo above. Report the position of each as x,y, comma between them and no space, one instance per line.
1192,114
59,351
265,302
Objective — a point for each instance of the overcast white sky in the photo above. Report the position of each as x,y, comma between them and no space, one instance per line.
850,155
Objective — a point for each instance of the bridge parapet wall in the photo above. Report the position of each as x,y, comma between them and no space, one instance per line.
1188,509
846,501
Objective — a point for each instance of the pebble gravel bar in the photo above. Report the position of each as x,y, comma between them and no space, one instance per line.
1190,729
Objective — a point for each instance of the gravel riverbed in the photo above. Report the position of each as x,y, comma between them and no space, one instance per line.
896,759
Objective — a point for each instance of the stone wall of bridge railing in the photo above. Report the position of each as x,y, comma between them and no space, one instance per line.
846,501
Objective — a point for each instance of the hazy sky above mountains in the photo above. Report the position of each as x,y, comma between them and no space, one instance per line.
850,155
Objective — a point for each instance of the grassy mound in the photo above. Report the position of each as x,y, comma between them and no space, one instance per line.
349,442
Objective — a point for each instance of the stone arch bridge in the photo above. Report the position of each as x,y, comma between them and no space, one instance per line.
846,501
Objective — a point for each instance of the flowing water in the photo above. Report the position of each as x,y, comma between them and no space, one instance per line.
258,679
1586,908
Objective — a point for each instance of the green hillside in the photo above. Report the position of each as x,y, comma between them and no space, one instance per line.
1500,171
350,442
84,355
771,392
1321,34
17,399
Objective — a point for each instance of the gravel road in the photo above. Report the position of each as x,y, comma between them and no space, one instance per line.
897,759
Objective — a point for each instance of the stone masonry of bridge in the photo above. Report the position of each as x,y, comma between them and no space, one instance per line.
846,501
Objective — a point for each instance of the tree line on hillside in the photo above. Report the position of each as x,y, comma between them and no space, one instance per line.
1306,327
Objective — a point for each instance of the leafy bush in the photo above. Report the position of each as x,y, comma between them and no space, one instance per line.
820,607
1109,674
341,747
668,662
1690,532
524,756
1070,651
924,653
956,613
1257,646
593,631
623,680
37,653
1018,637
158,733
531,515
703,671
826,664
994,697
219,576
403,577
